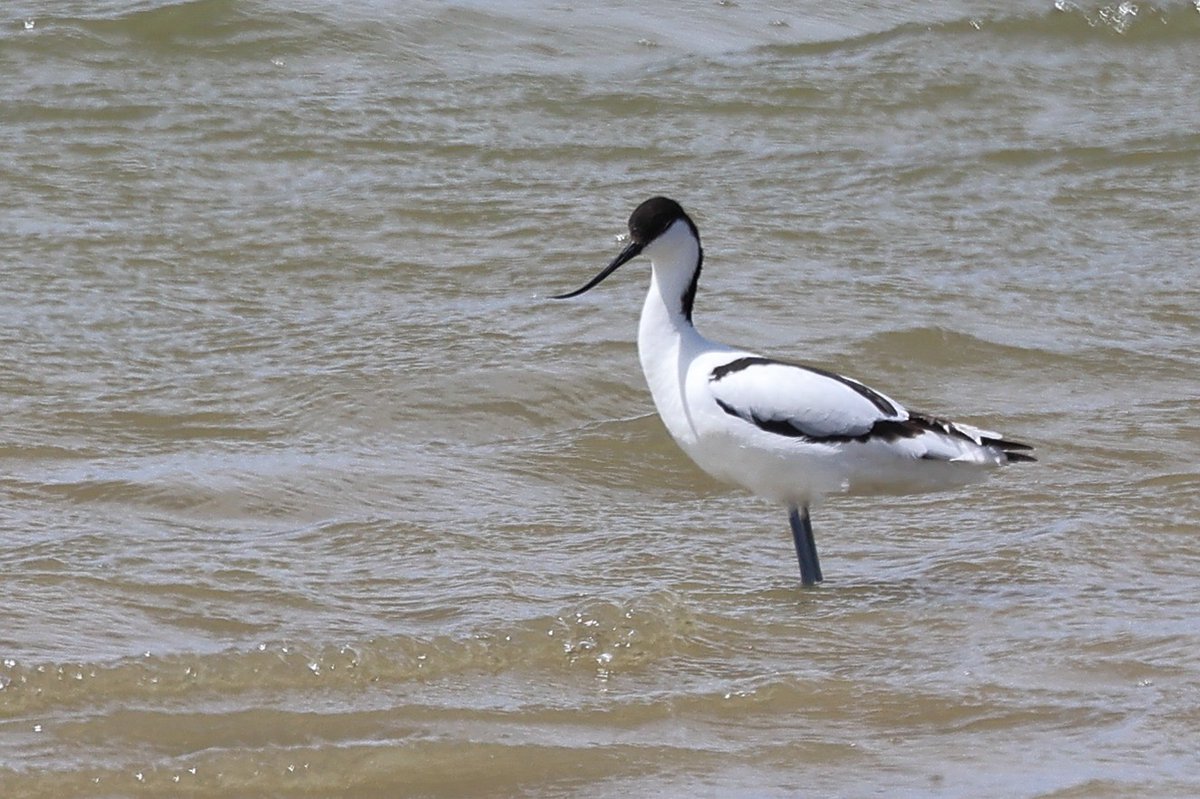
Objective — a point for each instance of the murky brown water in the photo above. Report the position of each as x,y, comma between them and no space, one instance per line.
307,490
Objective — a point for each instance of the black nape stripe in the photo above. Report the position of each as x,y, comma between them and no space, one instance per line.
875,398
689,295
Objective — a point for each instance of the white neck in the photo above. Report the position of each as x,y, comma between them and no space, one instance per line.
667,341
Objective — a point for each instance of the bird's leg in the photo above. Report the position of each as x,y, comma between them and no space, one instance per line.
806,545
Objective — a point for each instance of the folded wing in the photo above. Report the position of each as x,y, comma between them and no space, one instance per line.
813,405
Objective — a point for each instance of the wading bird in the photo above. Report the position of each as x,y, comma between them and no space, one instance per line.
785,431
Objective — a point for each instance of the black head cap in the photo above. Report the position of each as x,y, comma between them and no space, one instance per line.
652,218
648,221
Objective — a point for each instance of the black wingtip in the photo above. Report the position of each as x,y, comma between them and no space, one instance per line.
1012,450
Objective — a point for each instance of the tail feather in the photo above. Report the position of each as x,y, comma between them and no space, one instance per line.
1013,451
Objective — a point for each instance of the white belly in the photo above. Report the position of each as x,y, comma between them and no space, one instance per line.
794,472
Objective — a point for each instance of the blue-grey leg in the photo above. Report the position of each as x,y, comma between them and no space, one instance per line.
806,546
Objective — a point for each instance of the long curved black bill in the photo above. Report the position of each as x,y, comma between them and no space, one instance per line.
627,254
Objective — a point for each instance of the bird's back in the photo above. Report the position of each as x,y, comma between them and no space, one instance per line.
794,433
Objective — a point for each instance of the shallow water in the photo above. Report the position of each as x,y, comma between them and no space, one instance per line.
308,490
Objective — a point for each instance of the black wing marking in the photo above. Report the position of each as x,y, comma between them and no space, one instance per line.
878,400
885,429
893,423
